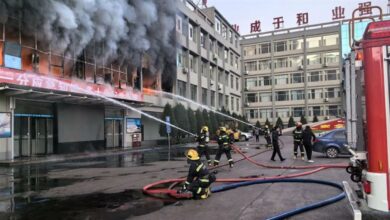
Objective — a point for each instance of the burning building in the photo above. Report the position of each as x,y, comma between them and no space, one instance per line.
56,54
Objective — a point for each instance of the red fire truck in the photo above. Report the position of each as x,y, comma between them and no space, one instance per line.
370,165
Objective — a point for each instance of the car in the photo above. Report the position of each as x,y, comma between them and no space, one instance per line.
245,136
332,143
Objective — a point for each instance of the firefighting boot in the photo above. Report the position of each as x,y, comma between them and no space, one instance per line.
231,163
216,163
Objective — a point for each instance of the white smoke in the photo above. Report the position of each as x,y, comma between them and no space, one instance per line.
118,29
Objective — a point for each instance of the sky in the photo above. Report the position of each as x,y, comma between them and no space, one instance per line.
245,12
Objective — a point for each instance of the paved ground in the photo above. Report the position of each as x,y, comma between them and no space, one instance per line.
109,188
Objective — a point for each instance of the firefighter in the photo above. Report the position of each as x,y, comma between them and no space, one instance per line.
203,140
199,178
298,140
275,142
267,136
224,142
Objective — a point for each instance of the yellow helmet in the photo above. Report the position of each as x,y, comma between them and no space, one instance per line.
229,131
222,129
205,128
192,154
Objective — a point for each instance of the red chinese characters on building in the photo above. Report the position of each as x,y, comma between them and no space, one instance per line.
236,27
365,8
302,18
278,22
255,26
338,13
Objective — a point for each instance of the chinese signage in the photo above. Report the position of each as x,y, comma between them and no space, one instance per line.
133,125
5,125
20,78
303,17
330,125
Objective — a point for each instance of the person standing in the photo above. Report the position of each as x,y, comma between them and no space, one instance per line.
224,146
257,134
308,137
267,136
275,143
199,178
298,140
203,140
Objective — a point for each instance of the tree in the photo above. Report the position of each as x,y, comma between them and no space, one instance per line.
268,123
291,122
199,120
213,123
166,112
279,123
181,119
303,120
258,125
315,119
192,120
206,120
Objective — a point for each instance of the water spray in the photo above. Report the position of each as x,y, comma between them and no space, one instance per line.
121,104
200,105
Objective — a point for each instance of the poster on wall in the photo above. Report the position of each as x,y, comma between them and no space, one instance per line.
133,125
5,124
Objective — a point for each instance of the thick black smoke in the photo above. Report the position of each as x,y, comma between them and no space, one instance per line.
119,30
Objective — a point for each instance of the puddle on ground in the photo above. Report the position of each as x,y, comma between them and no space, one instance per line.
93,206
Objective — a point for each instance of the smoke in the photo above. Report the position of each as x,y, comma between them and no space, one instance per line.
117,30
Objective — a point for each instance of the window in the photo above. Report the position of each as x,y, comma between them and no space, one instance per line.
236,62
220,100
315,94
332,93
339,135
12,55
313,42
295,61
212,98
281,79
226,102
313,59
298,111
204,96
331,75
179,24
231,59
282,112
227,79
236,41
331,58
226,55
191,32
251,97
265,48
297,95
202,40
220,51
253,114
333,110
297,78
296,44
281,63
250,83
212,72
265,97
281,96
280,46
232,103
315,76
211,46
237,84
224,31
238,105
204,69
251,66
315,111
194,93
265,113
265,65
218,25
220,77
231,81
193,63
231,37
331,40
265,81
182,87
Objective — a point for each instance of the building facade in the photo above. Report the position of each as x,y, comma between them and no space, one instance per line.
292,72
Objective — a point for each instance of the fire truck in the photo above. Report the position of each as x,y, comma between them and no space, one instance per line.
367,106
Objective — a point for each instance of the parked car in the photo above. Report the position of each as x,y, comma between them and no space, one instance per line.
332,143
245,136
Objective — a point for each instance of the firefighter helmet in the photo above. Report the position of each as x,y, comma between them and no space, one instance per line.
192,154
223,129
205,129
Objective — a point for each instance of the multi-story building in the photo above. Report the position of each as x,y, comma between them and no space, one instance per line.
292,72
208,62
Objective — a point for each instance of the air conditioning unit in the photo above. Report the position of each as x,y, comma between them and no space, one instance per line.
300,67
246,72
211,83
219,87
246,89
185,70
325,65
215,58
246,104
326,100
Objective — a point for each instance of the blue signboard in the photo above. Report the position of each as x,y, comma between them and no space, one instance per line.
12,62
133,125
168,120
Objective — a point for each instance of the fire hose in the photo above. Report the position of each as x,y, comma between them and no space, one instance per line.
256,180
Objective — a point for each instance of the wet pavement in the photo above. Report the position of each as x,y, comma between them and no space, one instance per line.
109,187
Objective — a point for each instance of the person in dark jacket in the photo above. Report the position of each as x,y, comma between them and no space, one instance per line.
224,146
275,143
203,140
267,136
298,140
199,178
308,137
